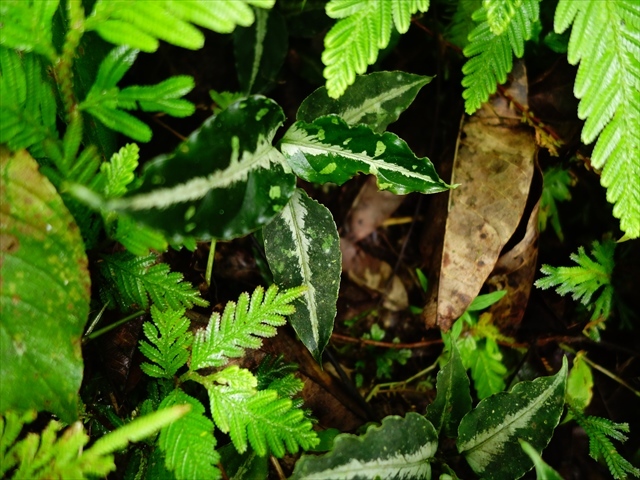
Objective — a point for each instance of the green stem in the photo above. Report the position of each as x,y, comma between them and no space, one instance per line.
212,254
108,328
63,69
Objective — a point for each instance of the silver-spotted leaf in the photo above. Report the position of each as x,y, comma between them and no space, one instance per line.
303,248
375,100
453,399
45,293
399,448
224,181
329,150
489,435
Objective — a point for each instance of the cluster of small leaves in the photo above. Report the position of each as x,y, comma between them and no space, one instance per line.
169,342
477,339
130,282
106,101
242,325
556,189
604,39
384,360
493,53
363,28
584,280
599,430
50,454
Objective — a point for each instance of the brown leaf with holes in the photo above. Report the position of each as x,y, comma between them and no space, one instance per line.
493,166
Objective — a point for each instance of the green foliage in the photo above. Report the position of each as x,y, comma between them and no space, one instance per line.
363,28
28,113
170,341
585,280
106,101
242,325
556,189
27,25
492,53
543,471
605,39
141,24
50,455
129,282
599,430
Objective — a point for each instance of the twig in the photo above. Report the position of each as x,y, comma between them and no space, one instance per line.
345,339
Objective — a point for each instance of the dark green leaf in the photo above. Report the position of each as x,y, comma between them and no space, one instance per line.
399,448
453,399
303,248
45,293
375,100
488,435
329,150
260,51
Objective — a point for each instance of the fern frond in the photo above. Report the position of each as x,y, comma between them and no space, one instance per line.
500,13
28,107
170,340
188,443
555,189
138,239
583,281
598,430
458,29
260,418
26,26
492,54
605,39
364,28
119,171
106,101
242,325
48,455
131,282
141,24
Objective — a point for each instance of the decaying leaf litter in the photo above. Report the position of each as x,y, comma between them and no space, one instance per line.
481,237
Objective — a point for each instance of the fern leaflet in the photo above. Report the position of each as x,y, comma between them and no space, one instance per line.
261,418
28,109
605,39
555,189
129,282
105,100
141,24
364,28
584,280
170,341
492,54
119,171
241,325
598,430
500,13
26,26
188,443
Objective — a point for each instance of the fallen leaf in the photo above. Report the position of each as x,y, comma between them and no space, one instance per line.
493,166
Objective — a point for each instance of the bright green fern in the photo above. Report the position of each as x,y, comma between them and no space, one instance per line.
129,282
586,279
490,54
263,418
364,28
605,39
599,430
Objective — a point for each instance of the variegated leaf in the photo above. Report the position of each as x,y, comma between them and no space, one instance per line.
375,100
453,399
488,435
260,51
399,448
303,248
224,181
329,150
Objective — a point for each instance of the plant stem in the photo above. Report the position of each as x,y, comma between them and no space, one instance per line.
108,328
63,70
212,254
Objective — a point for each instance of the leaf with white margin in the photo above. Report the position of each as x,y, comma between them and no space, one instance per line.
224,181
489,435
303,248
375,100
329,150
399,448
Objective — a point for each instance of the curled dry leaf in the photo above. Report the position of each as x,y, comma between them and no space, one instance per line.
493,166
